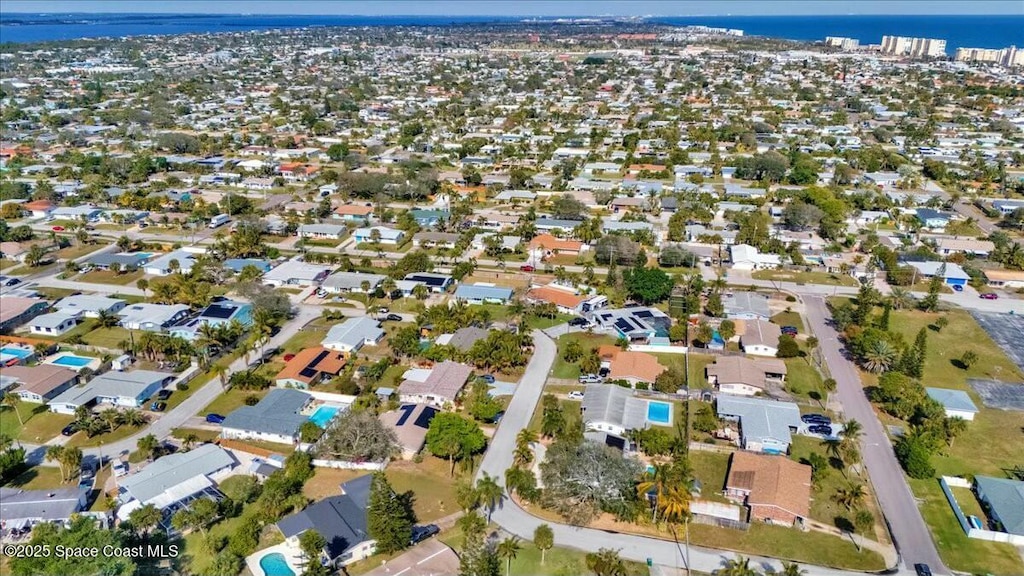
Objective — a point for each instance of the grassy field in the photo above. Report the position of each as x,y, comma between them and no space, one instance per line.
991,443
537,323
40,424
823,506
107,337
711,468
563,369
803,380
53,293
41,478
82,440
310,335
698,362
805,277
108,277
230,400
203,435
77,251
789,319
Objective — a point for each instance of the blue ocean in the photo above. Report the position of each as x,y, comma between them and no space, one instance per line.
972,31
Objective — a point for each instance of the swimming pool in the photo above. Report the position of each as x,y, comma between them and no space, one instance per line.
274,564
72,361
659,412
20,353
323,415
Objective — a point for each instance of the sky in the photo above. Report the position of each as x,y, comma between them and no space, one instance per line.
525,7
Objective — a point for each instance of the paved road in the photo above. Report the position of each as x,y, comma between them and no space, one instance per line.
905,523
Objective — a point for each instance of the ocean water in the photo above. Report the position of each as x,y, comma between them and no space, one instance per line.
971,31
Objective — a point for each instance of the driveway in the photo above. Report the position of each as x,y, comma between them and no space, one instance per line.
426,559
908,529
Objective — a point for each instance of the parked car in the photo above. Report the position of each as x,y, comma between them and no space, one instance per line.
383,310
575,395
816,419
158,406
527,268
578,321
990,296
958,288
164,394
791,330
604,372
821,429
394,318
214,418
119,467
70,429
489,378
421,533
922,570
590,379
58,228
11,282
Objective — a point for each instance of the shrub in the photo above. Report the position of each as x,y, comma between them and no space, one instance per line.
252,400
913,456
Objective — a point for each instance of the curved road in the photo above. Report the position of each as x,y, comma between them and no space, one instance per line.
638,548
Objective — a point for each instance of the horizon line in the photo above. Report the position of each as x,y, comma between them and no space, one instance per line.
591,16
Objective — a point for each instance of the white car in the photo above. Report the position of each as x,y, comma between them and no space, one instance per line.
575,395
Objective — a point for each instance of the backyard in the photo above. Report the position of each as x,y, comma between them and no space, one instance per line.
109,277
571,370
40,424
801,277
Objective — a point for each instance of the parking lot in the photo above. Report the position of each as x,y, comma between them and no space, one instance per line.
1008,332
1000,395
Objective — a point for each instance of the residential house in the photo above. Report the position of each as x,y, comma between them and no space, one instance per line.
15,311
54,323
483,294
352,334
549,224
761,338
974,247
340,520
322,231
276,418
633,367
566,299
39,208
613,409
39,384
125,389
1004,501
16,251
746,306
775,489
743,376
354,212
765,425
297,273
550,245
637,324
429,218
435,240
1011,279
221,312
933,219
437,283
90,306
437,387
176,261
956,403
463,338
389,236
25,508
310,367
410,423
341,282
152,317
236,265
952,274
126,260
746,257
171,482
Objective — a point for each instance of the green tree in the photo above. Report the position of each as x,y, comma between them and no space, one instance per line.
81,534
453,437
148,445
606,562
544,540
573,351
727,329
490,493
508,549
12,401
914,453
648,285
968,359
390,518
312,545
788,348
145,518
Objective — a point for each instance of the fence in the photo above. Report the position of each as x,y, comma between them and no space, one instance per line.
972,532
346,465
720,522
243,447
720,448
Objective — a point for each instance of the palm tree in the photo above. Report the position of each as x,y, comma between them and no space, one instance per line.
675,504
111,417
606,562
850,497
107,319
523,454
133,417
148,445
834,448
792,569
879,356
56,454
811,344
738,566
189,440
490,493
654,485
852,431
221,371
12,400
901,298
508,549
830,385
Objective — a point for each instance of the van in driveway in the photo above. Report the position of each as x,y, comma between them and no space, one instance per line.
119,467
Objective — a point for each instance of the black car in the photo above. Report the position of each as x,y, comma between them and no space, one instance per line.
815,419
922,570
70,429
158,406
421,533
394,318
164,394
578,321
821,429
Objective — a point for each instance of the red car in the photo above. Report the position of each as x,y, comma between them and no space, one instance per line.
527,268
990,296
58,228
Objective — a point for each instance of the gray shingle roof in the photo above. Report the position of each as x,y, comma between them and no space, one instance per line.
56,504
172,470
1006,497
761,419
615,405
341,520
353,332
276,413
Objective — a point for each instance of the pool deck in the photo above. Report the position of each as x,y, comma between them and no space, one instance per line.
292,555
94,363
671,415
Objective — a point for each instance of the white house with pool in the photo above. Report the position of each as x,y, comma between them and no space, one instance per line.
617,410
278,416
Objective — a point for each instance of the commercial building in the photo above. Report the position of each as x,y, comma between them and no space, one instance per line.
913,47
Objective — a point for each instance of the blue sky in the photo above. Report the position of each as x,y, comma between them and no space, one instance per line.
527,7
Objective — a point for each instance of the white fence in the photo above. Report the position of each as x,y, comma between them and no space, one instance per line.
658,349
971,531
346,465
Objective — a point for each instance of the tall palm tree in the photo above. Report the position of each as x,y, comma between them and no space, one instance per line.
851,496
879,356
654,485
12,400
738,566
851,433
834,448
56,454
189,440
675,504
133,417
901,298
508,549
792,569
111,417
523,454
490,493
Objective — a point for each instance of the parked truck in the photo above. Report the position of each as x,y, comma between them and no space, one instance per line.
219,220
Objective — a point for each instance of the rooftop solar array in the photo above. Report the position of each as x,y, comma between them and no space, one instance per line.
219,311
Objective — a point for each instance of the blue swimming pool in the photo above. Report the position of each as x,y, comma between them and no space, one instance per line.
274,564
72,360
659,412
323,415
21,353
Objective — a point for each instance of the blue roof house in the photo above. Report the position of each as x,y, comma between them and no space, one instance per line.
483,294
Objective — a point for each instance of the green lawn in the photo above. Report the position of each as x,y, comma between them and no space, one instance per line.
53,293
310,335
203,435
788,543
789,319
40,424
805,277
803,380
698,362
991,443
121,432
78,250
711,468
107,337
538,323
230,400
84,327
563,369
41,478
823,506
108,277
559,562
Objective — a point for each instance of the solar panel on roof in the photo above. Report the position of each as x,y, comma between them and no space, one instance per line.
407,411
643,314
423,420
323,354
218,311
308,372
623,325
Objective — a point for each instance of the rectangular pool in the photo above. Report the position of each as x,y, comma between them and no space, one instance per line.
323,415
659,412
20,353
72,361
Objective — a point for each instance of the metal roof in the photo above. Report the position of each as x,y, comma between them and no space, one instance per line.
1006,497
477,292
761,419
276,413
49,505
113,384
952,399
165,474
